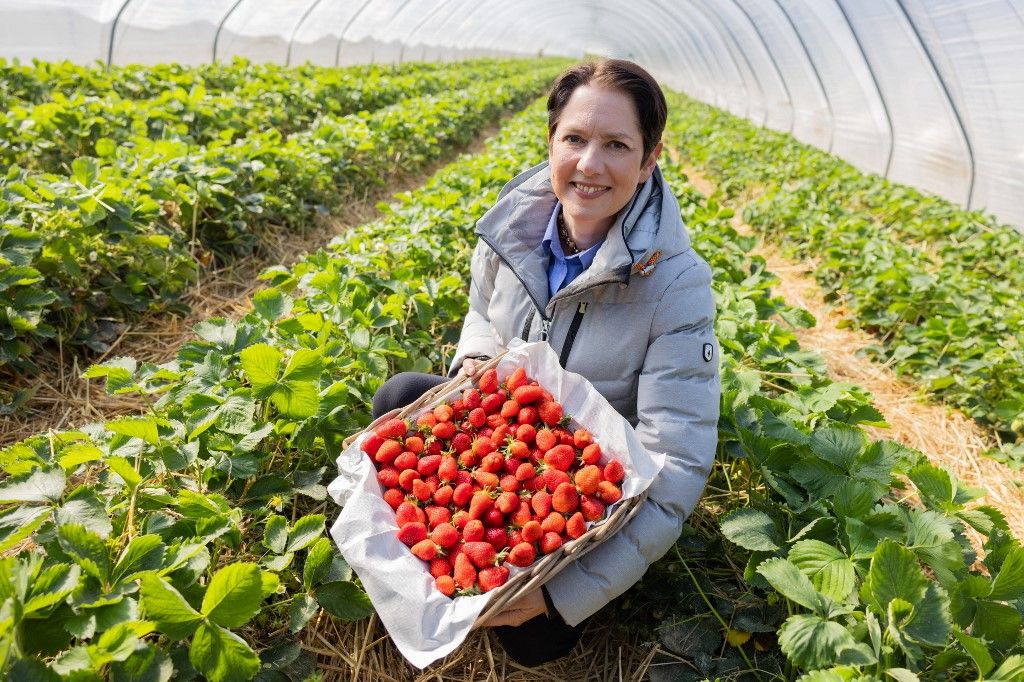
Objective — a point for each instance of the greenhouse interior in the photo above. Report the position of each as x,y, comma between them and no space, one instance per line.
469,340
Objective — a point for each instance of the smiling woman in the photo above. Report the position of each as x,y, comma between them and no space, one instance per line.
588,252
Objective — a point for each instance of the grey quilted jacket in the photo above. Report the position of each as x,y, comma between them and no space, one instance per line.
638,325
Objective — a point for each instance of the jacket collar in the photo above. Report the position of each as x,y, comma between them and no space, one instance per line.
514,228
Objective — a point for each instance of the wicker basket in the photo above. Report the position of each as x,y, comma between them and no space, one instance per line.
548,566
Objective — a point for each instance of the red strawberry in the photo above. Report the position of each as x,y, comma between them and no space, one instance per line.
414,444
554,478
496,421
387,452
406,478
492,577
546,439
525,471
477,417
460,518
474,531
576,525
440,566
437,515
471,398
462,495
406,460
582,438
425,549
497,538
443,495
591,454
587,478
408,512
445,585
465,572
608,492
541,503
443,413
483,446
509,483
522,555
507,502
526,432
614,471
461,442
493,518
553,523
560,457
394,497
524,395
516,379
448,469
485,478
550,412
444,535
392,428
492,403
550,542
527,415
463,477
592,508
489,381
372,444
565,499
421,490
428,464
411,533
426,420
468,459
388,477
482,554
532,531
499,435
434,448
564,437
522,515
509,409
443,430
492,463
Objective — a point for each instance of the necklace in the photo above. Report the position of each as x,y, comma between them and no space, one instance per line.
567,240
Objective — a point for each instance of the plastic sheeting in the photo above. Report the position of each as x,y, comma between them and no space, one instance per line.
927,92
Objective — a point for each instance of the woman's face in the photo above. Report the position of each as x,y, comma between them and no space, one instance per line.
596,158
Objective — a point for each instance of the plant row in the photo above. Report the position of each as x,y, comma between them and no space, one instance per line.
825,570
49,136
125,232
938,285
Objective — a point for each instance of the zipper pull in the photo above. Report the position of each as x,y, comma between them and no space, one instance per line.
545,325
583,307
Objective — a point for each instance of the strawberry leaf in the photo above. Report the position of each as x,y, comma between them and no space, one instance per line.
234,595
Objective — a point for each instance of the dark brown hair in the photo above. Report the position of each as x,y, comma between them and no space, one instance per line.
617,74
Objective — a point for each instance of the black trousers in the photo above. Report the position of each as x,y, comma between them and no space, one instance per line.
538,640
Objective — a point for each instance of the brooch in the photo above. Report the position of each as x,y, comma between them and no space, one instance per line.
647,268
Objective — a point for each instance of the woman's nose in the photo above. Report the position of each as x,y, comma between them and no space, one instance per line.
590,161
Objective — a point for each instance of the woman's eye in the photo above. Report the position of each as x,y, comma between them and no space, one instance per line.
618,145
573,139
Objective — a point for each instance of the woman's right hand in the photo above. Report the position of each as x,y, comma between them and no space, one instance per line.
469,366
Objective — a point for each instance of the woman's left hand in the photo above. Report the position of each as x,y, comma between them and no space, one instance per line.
519,611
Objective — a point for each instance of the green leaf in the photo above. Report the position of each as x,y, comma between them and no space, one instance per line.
934,484
77,454
271,304
233,596
296,399
305,365
894,574
751,529
930,622
1009,582
136,427
998,623
838,443
31,670
168,610
902,675
305,532
143,553
88,548
302,609
39,486
17,523
1012,669
812,642
124,469
235,414
261,364
831,572
51,587
85,508
269,582
344,600
275,533
222,656
978,651
318,562
793,585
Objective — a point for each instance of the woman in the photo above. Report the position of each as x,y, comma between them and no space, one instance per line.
588,252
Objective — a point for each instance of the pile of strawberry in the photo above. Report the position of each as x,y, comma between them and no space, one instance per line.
492,478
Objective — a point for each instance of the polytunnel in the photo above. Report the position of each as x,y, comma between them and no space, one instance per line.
927,93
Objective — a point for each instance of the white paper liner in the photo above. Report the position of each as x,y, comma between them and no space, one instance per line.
424,624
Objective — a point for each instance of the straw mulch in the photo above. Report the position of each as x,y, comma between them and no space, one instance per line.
948,437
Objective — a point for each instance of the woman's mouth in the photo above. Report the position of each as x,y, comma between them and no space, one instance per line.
589,191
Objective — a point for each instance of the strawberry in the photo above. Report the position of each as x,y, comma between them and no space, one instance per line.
497,538
526,432
546,439
443,413
474,531
550,542
488,381
509,483
592,508
443,495
406,478
522,555
392,428
480,503
492,463
428,465
541,503
483,447
492,403
460,518
565,499
553,523
493,518
576,525
614,471
445,585
495,421
471,398
462,495
411,533
507,502
591,454
477,417
444,535
482,554
406,460
522,515
440,566
608,492
425,549
532,531
499,434
550,412
485,478
553,478
527,415
425,421
492,577
388,451
525,471
514,537
434,448
414,444
516,379
394,497
518,449
443,430
461,442
437,515
463,477
587,478
560,457
372,444
458,410
408,512
465,572
388,477
448,469
421,490
468,459
434,482
582,438
509,409
524,395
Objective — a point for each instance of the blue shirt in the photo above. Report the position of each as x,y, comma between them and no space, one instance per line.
563,269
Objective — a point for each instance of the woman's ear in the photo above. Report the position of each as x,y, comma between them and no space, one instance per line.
647,169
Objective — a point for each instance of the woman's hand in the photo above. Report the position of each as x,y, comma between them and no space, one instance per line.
519,611
469,366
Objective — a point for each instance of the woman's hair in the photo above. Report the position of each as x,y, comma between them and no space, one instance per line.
617,74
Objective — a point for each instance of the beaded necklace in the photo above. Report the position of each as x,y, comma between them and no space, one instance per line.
567,241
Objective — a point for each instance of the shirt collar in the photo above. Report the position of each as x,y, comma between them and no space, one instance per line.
553,245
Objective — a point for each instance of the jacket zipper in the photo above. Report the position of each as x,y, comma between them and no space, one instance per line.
570,338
